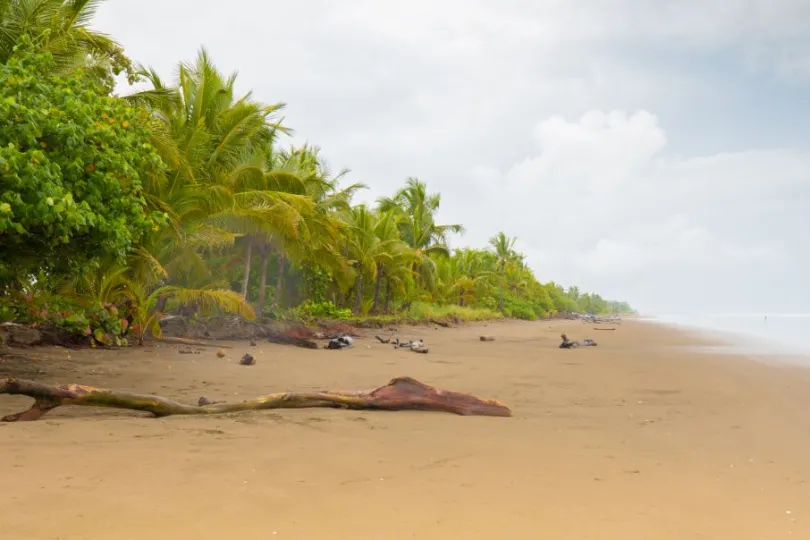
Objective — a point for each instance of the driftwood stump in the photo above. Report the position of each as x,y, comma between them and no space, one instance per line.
402,393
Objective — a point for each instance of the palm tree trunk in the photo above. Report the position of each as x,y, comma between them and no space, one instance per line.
461,296
503,284
358,301
160,307
387,295
377,288
263,251
279,280
341,301
246,276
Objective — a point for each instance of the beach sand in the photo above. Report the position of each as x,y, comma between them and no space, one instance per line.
638,438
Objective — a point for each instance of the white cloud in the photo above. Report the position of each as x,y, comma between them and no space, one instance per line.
455,92
600,207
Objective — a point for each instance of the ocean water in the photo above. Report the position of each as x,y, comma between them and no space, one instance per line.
755,334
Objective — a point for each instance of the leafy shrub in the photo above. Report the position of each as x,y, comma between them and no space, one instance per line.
101,324
423,311
72,163
320,310
488,302
519,309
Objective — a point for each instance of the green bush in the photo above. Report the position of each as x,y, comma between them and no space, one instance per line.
72,163
320,310
102,324
488,302
519,309
423,311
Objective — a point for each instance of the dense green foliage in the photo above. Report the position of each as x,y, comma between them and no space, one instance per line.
72,161
181,198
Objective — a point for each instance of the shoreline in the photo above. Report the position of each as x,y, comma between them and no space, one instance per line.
634,438
738,342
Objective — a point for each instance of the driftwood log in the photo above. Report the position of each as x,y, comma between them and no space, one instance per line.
402,393
287,339
487,338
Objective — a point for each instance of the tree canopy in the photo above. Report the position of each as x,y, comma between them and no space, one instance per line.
73,161
183,197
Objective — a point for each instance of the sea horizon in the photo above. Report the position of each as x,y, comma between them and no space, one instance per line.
752,333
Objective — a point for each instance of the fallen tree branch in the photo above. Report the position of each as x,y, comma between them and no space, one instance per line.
437,322
402,393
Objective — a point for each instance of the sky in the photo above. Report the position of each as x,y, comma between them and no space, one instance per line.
656,152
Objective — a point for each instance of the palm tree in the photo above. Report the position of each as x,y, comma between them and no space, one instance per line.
219,187
323,229
366,250
146,304
60,27
415,210
395,266
473,272
503,247
146,301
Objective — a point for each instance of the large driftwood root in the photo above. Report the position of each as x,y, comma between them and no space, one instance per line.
402,393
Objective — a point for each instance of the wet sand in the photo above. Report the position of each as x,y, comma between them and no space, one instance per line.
637,438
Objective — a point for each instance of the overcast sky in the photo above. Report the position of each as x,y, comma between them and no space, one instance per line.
656,151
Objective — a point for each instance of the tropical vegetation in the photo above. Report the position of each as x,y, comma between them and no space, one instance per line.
183,198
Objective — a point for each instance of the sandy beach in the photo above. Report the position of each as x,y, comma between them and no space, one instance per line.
638,438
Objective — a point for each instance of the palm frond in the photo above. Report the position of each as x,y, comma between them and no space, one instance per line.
210,300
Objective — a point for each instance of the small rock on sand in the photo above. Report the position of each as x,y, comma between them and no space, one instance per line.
247,360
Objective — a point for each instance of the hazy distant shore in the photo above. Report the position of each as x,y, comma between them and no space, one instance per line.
780,336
